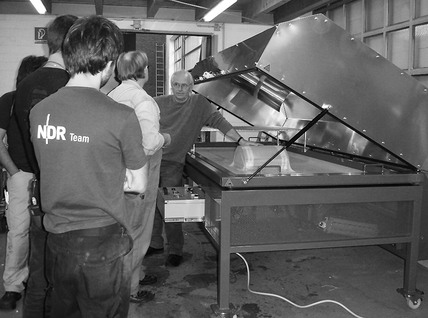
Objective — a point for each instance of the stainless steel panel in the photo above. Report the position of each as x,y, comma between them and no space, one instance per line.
285,75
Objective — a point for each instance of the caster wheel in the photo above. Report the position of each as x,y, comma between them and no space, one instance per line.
414,304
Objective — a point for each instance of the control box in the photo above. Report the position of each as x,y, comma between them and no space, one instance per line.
181,204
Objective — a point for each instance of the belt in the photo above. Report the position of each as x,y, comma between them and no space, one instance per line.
101,231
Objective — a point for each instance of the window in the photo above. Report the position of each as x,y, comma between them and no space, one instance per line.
396,29
398,48
421,46
421,8
376,43
398,11
188,50
375,13
354,13
338,17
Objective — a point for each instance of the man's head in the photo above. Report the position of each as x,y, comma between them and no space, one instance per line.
132,65
91,45
181,85
57,30
28,65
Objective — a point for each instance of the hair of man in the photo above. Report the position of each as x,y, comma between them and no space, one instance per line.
91,43
184,73
28,65
131,65
57,31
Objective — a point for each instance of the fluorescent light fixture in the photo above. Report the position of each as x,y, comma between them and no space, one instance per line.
40,7
219,8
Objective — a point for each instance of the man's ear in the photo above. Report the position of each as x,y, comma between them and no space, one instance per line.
109,65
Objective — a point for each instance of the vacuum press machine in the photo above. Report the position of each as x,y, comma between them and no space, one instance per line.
343,134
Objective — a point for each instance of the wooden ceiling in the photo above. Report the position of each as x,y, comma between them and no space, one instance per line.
279,10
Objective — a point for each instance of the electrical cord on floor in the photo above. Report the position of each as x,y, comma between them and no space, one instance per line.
289,301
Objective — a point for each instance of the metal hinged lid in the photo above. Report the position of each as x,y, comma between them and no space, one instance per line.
286,75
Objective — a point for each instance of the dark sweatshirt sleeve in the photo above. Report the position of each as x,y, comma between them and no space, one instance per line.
215,119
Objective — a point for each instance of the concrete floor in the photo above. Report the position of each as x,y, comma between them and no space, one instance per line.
364,279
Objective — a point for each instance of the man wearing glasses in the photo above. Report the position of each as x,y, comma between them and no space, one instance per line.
182,115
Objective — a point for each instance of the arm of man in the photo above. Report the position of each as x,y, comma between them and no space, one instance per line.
147,116
5,159
136,180
235,136
216,120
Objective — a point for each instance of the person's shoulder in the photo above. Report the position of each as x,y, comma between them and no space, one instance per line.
117,107
6,101
163,100
8,96
48,78
199,99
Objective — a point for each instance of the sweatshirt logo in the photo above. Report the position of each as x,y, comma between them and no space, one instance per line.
51,132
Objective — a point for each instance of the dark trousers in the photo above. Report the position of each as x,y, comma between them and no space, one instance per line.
89,272
171,175
36,304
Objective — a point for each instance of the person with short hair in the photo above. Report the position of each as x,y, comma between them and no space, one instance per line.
182,115
92,169
132,72
15,273
36,86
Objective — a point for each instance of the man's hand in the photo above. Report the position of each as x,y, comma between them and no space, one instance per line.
136,180
167,138
244,142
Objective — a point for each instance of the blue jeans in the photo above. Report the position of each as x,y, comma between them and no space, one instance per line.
89,272
171,175
35,302
18,241
141,220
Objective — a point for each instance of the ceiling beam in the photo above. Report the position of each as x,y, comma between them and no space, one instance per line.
99,7
153,7
48,5
200,12
256,8
296,8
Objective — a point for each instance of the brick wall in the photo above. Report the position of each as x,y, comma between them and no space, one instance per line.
147,44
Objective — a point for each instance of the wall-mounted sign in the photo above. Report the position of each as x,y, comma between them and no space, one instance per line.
40,35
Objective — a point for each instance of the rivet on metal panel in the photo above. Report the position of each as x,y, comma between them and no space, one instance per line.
325,21
245,66
352,39
401,154
425,90
344,118
383,142
290,24
316,18
402,73
377,56
364,130
303,92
